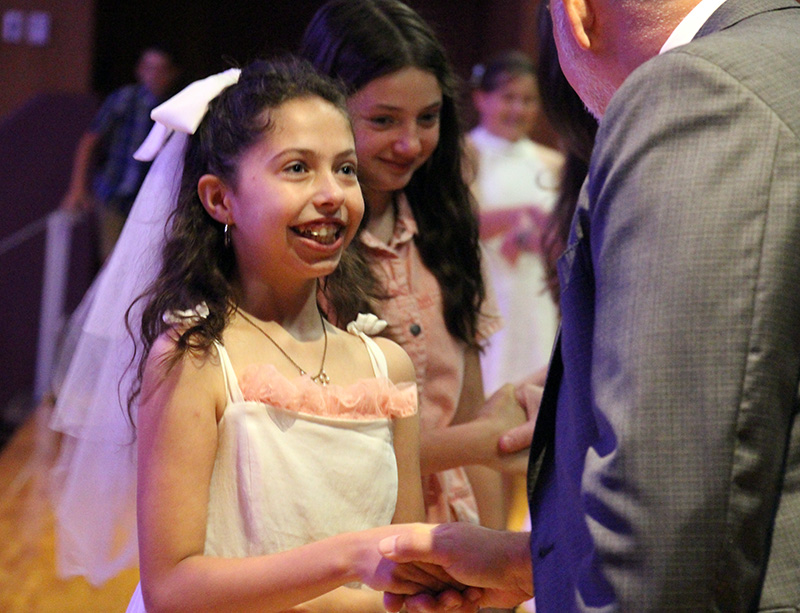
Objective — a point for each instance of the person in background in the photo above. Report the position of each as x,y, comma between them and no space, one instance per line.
419,243
575,128
105,177
515,184
666,458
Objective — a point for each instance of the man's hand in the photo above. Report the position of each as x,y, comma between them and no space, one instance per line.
496,565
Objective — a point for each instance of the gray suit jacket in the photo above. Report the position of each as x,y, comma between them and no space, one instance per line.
665,470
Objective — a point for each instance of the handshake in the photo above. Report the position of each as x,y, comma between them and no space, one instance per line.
451,567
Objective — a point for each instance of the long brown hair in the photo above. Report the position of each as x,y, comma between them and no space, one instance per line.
357,41
197,267
576,127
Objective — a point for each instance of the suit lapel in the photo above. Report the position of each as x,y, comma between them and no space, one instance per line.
545,432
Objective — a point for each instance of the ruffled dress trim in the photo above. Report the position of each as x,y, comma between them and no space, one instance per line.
364,399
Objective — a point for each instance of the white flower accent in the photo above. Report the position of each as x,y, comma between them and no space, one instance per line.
368,323
189,316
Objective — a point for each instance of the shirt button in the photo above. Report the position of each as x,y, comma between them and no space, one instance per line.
415,329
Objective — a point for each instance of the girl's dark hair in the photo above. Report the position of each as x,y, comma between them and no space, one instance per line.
357,41
501,69
196,265
576,127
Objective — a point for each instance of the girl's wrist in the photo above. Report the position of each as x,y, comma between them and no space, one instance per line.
483,439
347,553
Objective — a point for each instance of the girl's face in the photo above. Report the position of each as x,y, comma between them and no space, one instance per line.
396,123
296,202
510,110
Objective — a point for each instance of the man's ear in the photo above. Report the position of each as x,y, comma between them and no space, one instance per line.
213,194
581,19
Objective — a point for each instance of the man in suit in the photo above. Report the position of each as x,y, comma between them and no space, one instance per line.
665,466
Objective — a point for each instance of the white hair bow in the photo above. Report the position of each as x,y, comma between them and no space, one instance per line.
183,112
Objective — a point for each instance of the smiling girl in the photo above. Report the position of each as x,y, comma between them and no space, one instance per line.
269,441
419,242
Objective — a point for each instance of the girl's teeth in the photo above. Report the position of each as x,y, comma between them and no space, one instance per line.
321,235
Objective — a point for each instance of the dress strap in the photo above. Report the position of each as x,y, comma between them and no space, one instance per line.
232,388
370,324
376,356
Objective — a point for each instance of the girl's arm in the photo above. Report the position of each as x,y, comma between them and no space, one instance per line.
472,438
501,221
410,505
487,484
177,439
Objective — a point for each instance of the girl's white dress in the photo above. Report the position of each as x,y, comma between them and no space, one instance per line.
513,175
298,462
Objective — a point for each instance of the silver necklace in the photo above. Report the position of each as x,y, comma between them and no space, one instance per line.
321,377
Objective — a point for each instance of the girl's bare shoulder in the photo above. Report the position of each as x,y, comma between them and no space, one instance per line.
191,369
401,368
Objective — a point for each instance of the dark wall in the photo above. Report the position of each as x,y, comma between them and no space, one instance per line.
209,34
36,147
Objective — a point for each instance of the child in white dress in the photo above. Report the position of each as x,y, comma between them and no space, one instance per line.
273,448
516,185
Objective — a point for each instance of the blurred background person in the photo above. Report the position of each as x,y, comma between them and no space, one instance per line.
105,178
515,181
575,128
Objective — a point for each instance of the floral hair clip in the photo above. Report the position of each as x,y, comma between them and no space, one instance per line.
188,316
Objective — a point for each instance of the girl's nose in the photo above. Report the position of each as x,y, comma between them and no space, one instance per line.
330,193
409,143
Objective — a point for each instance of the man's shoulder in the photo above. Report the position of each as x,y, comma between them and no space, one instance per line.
753,49
770,29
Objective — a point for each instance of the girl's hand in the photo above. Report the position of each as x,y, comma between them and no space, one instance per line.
502,413
529,395
380,574
525,235
496,564
344,600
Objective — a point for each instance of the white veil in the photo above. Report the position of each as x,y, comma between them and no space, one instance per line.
94,479
93,482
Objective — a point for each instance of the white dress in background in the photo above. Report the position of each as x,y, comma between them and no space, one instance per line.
513,175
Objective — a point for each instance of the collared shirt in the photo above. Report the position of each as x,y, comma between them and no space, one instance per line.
415,316
691,24
122,123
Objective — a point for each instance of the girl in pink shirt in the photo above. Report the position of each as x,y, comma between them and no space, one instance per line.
418,244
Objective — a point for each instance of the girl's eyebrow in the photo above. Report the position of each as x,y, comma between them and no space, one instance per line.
390,107
289,151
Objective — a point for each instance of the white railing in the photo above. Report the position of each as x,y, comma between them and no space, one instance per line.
58,226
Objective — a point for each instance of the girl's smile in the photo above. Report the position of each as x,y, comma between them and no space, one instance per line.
295,202
321,232
396,123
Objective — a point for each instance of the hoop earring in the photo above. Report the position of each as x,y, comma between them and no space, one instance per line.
226,237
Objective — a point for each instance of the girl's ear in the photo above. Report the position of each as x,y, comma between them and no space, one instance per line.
213,194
